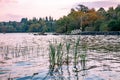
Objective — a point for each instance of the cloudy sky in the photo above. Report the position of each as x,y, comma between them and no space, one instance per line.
16,9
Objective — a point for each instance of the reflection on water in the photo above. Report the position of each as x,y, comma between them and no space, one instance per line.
24,56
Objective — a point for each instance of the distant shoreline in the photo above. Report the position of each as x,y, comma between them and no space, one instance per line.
100,33
81,33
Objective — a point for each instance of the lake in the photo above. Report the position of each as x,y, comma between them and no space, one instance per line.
24,56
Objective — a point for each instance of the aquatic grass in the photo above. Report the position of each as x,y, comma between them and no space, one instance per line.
83,55
68,45
68,49
83,60
24,52
9,77
76,52
52,55
17,50
55,56
59,54
38,49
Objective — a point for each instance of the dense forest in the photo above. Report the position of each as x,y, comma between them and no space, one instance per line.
33,25
80,17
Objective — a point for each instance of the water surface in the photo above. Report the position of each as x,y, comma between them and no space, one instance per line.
24,56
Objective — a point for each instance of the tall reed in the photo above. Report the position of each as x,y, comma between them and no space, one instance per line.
68,49
83,61
59,54
76,54
55,55
52,55
83,56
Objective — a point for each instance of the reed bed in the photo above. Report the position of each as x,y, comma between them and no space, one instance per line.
55,56
59,56
24,50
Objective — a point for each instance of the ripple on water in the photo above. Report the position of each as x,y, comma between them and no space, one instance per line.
94,78
22,63
4,70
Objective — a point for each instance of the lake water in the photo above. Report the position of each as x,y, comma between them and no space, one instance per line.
24,56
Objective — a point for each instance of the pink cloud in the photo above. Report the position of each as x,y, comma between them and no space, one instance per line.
9,17
15,9
8,1
97,4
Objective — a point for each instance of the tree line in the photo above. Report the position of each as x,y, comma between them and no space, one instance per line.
46,24
87,19
80,17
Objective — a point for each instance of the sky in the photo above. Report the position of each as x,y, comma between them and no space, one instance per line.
14,10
